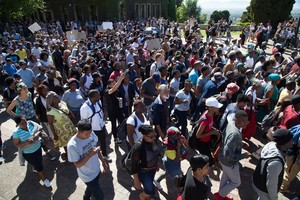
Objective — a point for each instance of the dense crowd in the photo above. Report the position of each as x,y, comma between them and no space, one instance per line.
62,92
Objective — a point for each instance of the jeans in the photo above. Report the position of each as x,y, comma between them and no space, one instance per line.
102,140
93,188
230,179
146,177
181,121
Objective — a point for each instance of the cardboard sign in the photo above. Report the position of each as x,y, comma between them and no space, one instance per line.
107,25
153,44
34,27
75,35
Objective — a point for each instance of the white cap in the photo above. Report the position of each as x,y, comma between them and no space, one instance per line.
213,102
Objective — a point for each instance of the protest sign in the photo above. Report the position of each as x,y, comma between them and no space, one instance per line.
107,25
34,27
153,44
75,35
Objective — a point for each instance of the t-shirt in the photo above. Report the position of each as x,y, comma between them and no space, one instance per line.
194,189
208,123
182,96
27,76
78,149
137,135
10,69
23,135
74,100
193,76
174,84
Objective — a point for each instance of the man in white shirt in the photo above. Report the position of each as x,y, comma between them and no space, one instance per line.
36,50
84,152
92,110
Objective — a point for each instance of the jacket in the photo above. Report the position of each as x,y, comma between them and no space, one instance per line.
270,168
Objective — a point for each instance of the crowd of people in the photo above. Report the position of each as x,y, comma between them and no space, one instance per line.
65,91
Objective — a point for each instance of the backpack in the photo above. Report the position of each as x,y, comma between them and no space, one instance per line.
122,128
260,173
268,121
94,111
192,139
131,167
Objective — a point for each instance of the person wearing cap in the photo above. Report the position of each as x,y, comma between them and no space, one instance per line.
97,84
197,185
73,98
291,116
75,71
206,130
182,102
27,138
271,93
9,67
175,150
105,70
268,174
230,154
27,76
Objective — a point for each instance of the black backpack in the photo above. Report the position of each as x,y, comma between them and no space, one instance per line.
192,139
122,128
133,167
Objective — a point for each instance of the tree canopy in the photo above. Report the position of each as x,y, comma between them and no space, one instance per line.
268,10
217,15
14,10
188,8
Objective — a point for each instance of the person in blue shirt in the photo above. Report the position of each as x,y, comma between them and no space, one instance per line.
27,76
194,74
9,67
26,137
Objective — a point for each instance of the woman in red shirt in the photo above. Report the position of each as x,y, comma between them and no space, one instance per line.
206,130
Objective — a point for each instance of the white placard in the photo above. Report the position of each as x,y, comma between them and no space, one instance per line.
34,27
107,25
153,44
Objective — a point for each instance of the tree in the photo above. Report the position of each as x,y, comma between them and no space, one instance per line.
188,8
217,15
12,10
268,10
171,10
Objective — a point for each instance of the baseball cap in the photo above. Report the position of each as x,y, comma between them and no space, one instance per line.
213,102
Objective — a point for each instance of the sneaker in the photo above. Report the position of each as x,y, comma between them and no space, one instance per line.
157,185
47,183
228,197
107,158
118,141
1,159
218,197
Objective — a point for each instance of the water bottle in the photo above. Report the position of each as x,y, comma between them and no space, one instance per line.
120,102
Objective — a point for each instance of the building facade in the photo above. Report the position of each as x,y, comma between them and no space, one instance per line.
103,10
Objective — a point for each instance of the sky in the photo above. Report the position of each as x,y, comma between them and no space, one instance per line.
232,4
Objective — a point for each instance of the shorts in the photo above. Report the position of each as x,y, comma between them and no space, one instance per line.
35,159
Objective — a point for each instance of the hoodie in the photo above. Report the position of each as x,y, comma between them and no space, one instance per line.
274,172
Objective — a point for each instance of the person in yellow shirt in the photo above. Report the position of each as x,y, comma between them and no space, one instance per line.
21,52
286,93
